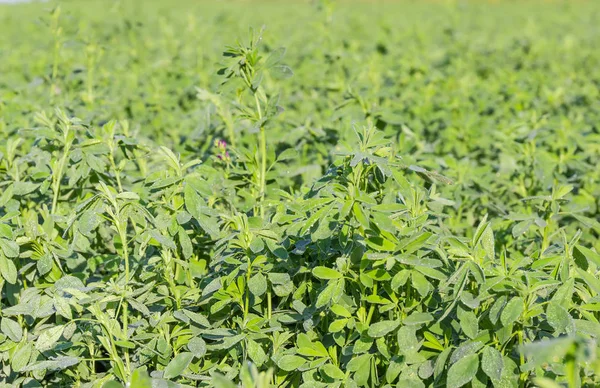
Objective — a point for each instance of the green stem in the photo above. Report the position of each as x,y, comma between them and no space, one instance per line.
269,306
93,358
263,155
58,177
523,376
372,308
247,297
263,170
123,236
114,166
545,239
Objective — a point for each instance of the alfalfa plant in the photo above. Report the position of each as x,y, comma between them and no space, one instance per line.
245,63
59,134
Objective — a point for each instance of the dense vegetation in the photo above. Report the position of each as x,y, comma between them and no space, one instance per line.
406,196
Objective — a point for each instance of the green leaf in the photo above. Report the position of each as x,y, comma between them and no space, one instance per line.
586,254
257,245
128,196
11,329
496,309
400,279
360,215
590,279
20,359
341,311
326,273
221,381
10,248
281,71
521,228
287,154
440,362
8,270
333,371
379,243
279,278
408,341
290,362
558,317
165,241
6,231
382,328
464,349
492,363
326,295
49,337
512,311
195,205
358,362
258,284
58,363
469,324
418,319
463,371
44,264
338,325
140,379
393,371
197,346
487,241
24,188
112,384
561,191
420,282
178,365
311,349
185,243
125,344
545,382
256,352
68,283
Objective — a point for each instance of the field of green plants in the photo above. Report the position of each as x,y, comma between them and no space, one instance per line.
357,194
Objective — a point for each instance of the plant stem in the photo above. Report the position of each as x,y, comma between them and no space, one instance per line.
269,306
58,177
263,170
114,166
263,155
123,235
523,376
247,297
372,308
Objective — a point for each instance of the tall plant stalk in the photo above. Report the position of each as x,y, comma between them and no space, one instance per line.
263,158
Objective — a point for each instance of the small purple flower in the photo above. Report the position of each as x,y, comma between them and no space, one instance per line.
221,145
223,154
